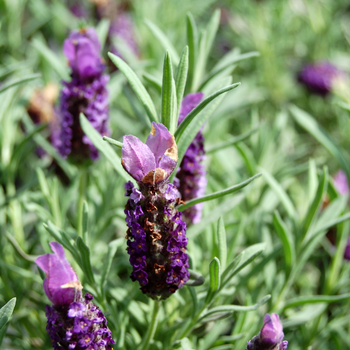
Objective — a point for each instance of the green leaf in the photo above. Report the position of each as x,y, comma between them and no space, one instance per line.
219,210
232,141
167,91
212,29
307,122
52,58
214,273
16,82
200,63
241,261
102,29
233,308
186,344
314,299
163,40
112,249
286,238
222,243
85,223
85,260
113,142
180,79
281,194
196,279
218,194
192,39
315,205
5,315
103,147
305,315
137,86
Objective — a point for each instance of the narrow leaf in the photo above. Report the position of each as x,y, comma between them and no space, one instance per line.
153,81
103,147
192,39
286,239
85,222
167,90
163,40
19,81
102,29
214,273
222,244
137,86
218,194
5,315
85,259
181,78
196,279
199,67
113,142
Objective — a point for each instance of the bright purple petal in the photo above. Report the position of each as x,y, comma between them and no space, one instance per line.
341,182
272,331
61,283
137,158
159,141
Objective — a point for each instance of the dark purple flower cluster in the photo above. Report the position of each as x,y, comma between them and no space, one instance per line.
319,77
156,239
79,325
191,176
85,93
73,321
156,233
270,337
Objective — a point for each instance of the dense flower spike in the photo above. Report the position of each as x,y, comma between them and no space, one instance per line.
73,321
270,337
156,233
85,93
320,77
190,178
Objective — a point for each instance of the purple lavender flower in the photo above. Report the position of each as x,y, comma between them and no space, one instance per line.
270,337
341,182
347,250
73,321
156,233
190,178
85,93
319,77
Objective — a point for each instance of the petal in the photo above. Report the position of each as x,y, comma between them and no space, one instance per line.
188,103
168,164
159,141
272,331
137,159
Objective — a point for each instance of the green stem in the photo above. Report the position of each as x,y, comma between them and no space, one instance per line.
152,326
82,190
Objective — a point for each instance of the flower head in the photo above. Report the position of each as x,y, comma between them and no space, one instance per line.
61,284
341,182
82,50
320,77
270,337
153,161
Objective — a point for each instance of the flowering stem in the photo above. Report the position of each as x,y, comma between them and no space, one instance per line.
82,190
152,326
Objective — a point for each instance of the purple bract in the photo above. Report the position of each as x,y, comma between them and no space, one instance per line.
156,233
73,321
341,182
191,176
319,77
270,337
85,93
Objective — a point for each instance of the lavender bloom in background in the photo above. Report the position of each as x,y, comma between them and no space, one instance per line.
85,93
156,233
320,77
341,182
270,337
73,321
190,178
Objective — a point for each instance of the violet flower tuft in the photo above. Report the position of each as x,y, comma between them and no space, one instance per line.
156,233
190,178
85,93
270,337
73,321
320,77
